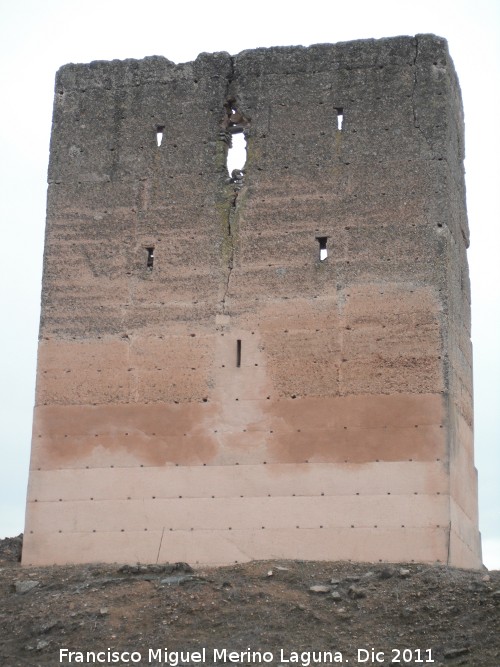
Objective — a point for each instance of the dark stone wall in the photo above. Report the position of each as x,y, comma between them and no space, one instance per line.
378,189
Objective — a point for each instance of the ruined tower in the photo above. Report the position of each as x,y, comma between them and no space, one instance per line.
274,365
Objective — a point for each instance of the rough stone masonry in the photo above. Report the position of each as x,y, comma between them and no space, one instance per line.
273,365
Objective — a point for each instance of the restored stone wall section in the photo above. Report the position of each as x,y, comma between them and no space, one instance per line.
242,398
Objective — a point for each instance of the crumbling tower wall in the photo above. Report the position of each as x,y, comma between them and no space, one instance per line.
211,388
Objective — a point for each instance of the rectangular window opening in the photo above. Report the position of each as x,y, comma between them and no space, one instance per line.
159,134
323,250
151,257
238,353
340,117
236,156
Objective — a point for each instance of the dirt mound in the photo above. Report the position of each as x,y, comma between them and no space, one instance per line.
11,548
289,613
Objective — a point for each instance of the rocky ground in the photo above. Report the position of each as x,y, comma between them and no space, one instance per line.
301,613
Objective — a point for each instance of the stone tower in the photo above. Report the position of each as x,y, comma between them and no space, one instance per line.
274,365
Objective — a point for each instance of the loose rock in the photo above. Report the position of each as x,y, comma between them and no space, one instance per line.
356,593
386,573
176,579
319,589
455,652
23,587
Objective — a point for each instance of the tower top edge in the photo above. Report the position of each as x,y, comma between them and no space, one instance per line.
360,52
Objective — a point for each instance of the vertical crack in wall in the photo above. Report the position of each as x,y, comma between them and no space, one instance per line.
233,122
230,244
414,89
416,122
448,548
341,302
159,546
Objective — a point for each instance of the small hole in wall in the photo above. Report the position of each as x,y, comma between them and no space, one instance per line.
238,353
160,129
150,258
323,251
234,125
237,153
340,117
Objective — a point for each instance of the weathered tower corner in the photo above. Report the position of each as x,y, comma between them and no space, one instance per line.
273,363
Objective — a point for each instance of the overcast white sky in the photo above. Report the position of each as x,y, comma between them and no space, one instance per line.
36,38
